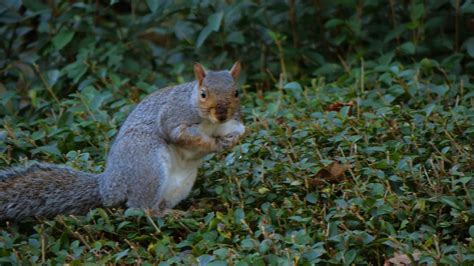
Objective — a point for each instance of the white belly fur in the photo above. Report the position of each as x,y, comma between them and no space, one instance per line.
181,176
184,167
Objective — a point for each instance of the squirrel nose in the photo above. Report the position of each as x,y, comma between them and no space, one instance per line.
221,113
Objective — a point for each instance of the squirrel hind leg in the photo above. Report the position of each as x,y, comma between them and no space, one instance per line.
146,192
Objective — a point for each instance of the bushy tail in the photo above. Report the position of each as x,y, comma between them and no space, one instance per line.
45,190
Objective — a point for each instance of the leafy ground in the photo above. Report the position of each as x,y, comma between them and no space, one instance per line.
360,117
405,131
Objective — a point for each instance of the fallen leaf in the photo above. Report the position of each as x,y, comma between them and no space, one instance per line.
315,182
280,120
333,173
399,259
338,105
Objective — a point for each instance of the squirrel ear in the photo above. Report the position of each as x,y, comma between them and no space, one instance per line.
199,72
235,70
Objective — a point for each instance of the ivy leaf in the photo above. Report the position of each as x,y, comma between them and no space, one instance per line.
469,44
34,5
417,11
408,48
53,76
235,37
62,39
120,255
48,149
152,5
429,109
213,24
295,88
350,256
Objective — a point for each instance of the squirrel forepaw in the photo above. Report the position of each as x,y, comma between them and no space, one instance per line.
228,140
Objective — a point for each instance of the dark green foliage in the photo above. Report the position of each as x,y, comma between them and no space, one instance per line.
71,71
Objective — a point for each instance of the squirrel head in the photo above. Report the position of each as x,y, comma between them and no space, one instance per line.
218,96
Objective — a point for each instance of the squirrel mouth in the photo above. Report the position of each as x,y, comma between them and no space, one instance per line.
222,119
218,119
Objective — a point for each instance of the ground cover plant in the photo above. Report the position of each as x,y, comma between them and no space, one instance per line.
360,118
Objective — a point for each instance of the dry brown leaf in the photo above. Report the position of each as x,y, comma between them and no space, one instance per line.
338,105
333,173
280,120
399,259
315,182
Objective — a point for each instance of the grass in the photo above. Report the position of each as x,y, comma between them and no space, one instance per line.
408,138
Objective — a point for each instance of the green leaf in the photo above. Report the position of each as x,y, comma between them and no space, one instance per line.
295,89
62,39
239,214
48,149
235,37
120,255
417,11
53,76
439,89
247,243
350,256
334,22
451,201
408,48
469,44
152,5
213,24
34,5
75,71
311,198
104,215
205,259
217,263
214,21
131,212
38,135
429,109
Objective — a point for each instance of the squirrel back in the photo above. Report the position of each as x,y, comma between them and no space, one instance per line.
46,190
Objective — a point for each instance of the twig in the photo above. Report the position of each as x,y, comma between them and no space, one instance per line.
394,23
43,245
456,34
292,15
344,64
46,85
281,55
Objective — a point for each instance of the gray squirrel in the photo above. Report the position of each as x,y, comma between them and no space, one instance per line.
153,161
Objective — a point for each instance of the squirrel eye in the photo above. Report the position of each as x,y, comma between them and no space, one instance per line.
203,94
236,94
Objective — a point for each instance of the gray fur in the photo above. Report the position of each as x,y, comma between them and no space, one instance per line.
45,190
221,80
147,133
142,165
135,175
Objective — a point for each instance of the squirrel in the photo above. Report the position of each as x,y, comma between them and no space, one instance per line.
153,161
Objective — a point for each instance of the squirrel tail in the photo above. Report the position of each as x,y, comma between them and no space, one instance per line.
46,190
